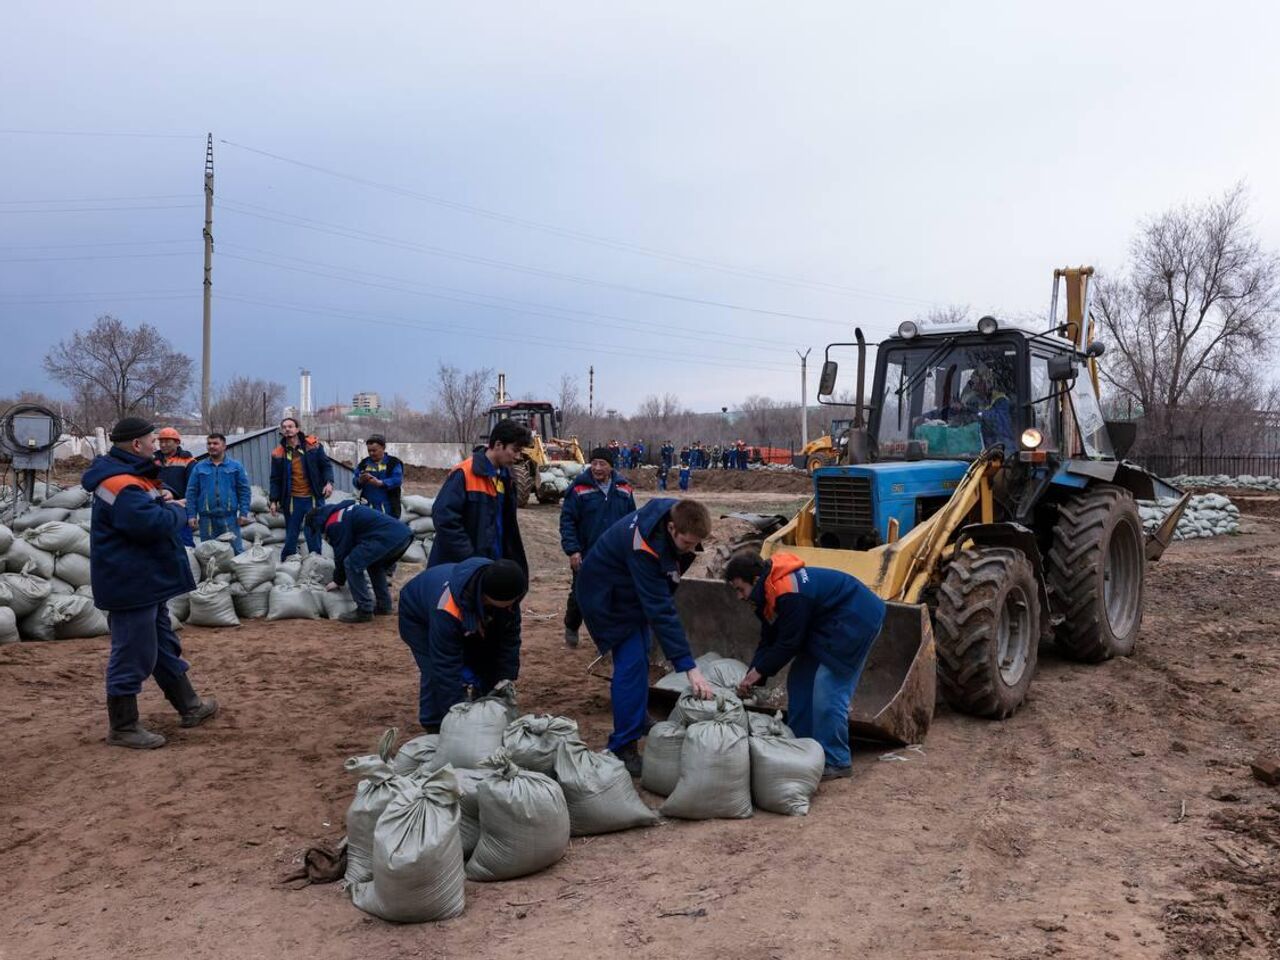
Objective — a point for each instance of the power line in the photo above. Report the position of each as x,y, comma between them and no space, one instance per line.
158,196
160,206
99,243
97,298
115,256
102,133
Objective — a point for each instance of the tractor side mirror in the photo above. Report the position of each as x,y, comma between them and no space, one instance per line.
1062,368
1096,349
827,382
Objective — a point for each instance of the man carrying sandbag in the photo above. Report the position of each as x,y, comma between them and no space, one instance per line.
462,623
364,541
626,590
137,563
822,622
597,499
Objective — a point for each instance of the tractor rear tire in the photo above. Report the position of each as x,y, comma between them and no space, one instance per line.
1096,569
987,630
523,476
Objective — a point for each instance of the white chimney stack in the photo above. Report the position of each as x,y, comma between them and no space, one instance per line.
304,399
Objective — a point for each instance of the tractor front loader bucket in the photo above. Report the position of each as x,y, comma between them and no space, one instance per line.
895,696
1163,535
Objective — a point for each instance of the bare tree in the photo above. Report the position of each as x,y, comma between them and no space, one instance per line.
1192,316
462,399
949,316
239,403
569,402
113,371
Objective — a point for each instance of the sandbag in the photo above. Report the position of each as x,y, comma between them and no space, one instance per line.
316,568
42,622
194,562
6,539
58,538
598,791
660,763
274,536
258,502
290,567
212,606
73,568
252,604
23,553
34,518
690,710
294,602
283,578
470,732
372,793
256,566
180,606
532,740
726,673
80,618
215,556
60,587
27,590
86,591
335,603
421,525
715,773
469,780
8,626
415,753
763,725
417,853
82,517
251,532
524,823
6,594
785,773
418,505
273,521
72,498
415,554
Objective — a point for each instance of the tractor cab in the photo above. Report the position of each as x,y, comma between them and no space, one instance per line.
549,451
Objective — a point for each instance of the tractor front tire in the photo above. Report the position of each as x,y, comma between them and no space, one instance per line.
1096,569
987,630
523,477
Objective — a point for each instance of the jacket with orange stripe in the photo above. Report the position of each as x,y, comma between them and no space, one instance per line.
586,512
315,467
175,471
825,613
472,505
136,553
629,579
441,609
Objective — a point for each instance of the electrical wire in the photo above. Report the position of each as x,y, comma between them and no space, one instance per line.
158,196
113,256
161,206
104,133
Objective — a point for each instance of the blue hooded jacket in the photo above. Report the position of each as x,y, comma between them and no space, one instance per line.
136,556
349,523
441,609
475,515
586,513
629,579
390,470
825,613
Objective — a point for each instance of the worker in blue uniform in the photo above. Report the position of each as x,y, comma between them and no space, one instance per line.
218,494
365,542
821,622
175,469
379,477
301,479
137,563
667,454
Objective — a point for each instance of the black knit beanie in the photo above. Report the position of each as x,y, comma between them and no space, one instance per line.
503,580
602,453
131,428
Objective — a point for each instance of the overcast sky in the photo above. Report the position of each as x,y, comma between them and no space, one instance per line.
622,175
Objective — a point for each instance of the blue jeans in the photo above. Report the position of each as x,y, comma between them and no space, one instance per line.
373,558
295,511
143,644
818,705
629,689
212,527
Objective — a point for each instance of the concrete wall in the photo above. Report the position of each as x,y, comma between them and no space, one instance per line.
415,454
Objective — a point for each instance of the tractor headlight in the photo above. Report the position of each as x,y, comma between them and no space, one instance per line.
1031,438
908,329
988,325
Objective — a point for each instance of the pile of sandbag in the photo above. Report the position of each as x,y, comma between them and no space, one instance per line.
416,512
1206,515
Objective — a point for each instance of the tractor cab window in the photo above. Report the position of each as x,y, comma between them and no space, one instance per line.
1089,420
1044,401
954,400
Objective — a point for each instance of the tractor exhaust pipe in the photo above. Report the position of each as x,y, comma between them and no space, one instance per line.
858,446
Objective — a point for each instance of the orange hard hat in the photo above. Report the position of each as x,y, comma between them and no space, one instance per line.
168,433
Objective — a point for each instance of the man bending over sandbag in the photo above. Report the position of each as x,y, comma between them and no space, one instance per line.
364,542
823,623
626,589
462,623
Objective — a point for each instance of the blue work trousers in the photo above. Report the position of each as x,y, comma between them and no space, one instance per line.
629,689
143,644
818,705
374,559
295,511
684,478
479,670
212,527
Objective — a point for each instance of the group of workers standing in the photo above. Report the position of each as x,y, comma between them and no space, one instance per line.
461,617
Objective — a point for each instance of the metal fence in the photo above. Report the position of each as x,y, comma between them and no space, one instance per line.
1210,465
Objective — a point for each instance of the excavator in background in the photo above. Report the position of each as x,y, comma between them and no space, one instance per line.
985,498
826,450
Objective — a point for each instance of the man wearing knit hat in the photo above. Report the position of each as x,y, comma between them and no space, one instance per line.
137,564
597,498
461,621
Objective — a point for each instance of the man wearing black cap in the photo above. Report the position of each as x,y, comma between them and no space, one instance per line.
596,499
137,564
462,623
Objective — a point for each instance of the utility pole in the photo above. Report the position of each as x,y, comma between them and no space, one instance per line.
591,391
205,362
804,397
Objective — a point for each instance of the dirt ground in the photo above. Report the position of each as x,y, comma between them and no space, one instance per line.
1085,826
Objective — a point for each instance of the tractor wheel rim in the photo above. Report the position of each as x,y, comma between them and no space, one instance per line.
1013,636
1120,580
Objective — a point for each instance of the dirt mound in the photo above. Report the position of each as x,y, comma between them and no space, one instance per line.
718,481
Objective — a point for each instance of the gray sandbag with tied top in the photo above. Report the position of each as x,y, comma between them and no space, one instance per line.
469,781
74,569
33,518
334,603
317,568
72,498
524,823
58,537
725,674
64,617
471,732
764,725
533,740
212,605
660,763
415,754
6,541
372,793
598,791
689,710
215,556
785,773
715,773
296,601
417,853
8,626
27,590
23,553
251,604
257,565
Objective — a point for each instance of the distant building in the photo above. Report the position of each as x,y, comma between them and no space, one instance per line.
366,402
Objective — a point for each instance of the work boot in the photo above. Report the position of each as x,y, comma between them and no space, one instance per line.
571,638
357,616
187,702
125,731
383,611
837,773
630,758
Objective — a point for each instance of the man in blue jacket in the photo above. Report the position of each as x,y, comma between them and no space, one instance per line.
626,589
218,494
823,623
364,542
301,478
137,563
175,468
599,497
379,477
475,511
666,454
460,620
